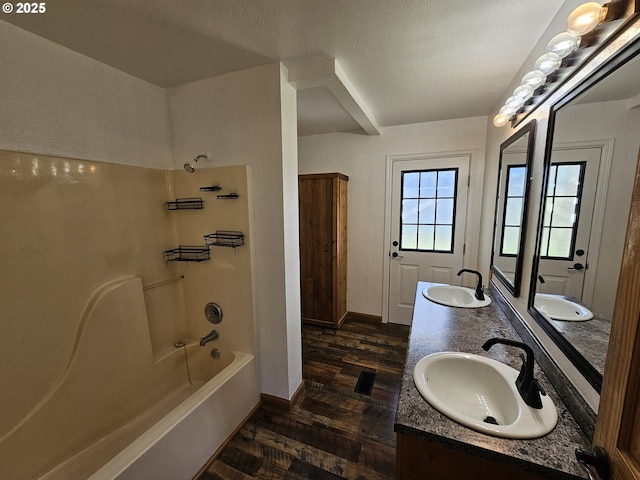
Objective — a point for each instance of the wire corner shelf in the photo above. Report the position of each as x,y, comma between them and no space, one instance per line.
225,238
211,188
191,203
228,196
188,253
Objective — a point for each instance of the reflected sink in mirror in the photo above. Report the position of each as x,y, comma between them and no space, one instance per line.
480,393
454,296
557,307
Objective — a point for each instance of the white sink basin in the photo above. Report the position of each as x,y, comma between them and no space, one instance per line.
454,296
559,308
480,393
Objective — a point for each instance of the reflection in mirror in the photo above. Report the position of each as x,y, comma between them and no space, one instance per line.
589,171
511,208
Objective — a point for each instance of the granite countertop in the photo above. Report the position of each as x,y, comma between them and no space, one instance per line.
438,328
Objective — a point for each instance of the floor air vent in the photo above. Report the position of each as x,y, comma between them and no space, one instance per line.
365,383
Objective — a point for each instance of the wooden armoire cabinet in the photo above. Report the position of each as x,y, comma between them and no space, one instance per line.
323,248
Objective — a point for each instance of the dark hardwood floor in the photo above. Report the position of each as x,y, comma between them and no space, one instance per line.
332,432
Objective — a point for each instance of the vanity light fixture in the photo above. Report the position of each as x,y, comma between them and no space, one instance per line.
580,22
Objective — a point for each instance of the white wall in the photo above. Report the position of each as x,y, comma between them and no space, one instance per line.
289,114
363,159
246,117
55,101
604,121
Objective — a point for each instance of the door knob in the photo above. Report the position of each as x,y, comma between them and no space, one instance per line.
577,266
395,255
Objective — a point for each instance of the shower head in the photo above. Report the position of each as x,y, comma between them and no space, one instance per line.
190,167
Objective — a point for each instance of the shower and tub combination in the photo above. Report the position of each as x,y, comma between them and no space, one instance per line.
105,377
118,412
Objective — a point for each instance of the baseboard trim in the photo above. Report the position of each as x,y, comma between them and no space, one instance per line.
364,317
282,402
225,443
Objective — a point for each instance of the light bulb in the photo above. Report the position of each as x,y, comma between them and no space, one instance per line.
534,79
548,63
514,103
585,18
501,120
563,44
507,111
523,92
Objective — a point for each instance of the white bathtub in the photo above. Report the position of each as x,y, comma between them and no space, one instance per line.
180,444
182,441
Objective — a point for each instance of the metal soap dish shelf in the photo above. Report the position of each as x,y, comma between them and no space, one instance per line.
211,188
228,196
192,203
225,238
188,253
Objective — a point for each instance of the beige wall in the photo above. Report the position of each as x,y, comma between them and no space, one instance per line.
69,227
71,230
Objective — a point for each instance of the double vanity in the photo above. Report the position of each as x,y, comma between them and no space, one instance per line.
459,412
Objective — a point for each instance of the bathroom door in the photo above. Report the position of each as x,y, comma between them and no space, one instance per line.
428,215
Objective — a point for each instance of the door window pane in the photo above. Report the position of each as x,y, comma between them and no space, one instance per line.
513,212
409,212
428,210
409,235
515,187
511,241
444,211
426,237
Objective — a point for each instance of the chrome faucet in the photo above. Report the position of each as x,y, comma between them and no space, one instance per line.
479,292
528,387
209,337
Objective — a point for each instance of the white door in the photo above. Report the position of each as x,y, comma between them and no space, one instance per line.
567,224
428,213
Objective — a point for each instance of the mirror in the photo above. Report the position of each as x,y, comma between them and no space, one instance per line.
511,207
590,165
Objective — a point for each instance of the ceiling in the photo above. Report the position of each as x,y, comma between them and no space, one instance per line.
394,61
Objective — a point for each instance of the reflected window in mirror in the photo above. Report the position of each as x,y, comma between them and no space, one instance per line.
562,210
590,166
511,208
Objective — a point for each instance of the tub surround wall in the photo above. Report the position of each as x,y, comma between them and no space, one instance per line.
76,227
72,226
227,278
